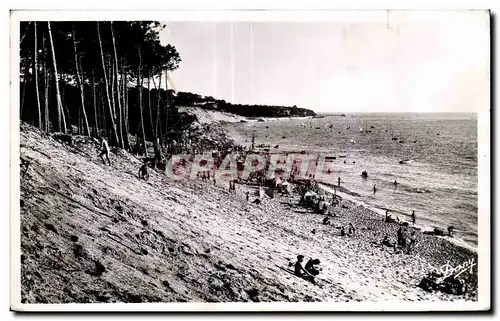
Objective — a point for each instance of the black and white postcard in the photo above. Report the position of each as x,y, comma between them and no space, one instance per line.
250,160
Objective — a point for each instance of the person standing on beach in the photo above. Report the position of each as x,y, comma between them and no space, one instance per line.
413,217
400,236
248,195
412,242
374,189
339,180
104,150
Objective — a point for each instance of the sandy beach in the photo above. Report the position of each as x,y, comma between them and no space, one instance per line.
97,233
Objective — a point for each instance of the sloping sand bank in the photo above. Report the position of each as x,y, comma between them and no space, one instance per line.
96,233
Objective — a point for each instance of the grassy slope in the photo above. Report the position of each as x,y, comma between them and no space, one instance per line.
164,241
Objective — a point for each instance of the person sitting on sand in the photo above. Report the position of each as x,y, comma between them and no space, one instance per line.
257,201
326,220
342,231
387,242
351,230
143,172
389,218
312,266
413,217
300,271
104,150
450,231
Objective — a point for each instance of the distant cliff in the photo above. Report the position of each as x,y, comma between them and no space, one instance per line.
207,102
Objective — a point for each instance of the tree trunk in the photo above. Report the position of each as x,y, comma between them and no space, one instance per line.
108,101
158,130
109,68
36,80
151,113
120,120
166,106
94,104
66,112
127,123
100,102
139,87
60,111
25,82
46,79
79,80
114,80
124,108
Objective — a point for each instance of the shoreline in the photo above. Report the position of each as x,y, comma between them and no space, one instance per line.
381,212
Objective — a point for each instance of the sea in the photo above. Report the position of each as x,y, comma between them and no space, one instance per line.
438,177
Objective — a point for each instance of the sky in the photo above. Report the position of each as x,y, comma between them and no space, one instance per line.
390,61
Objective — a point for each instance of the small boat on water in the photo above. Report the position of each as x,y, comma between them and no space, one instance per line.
353,141
330,158
341,156
406,161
